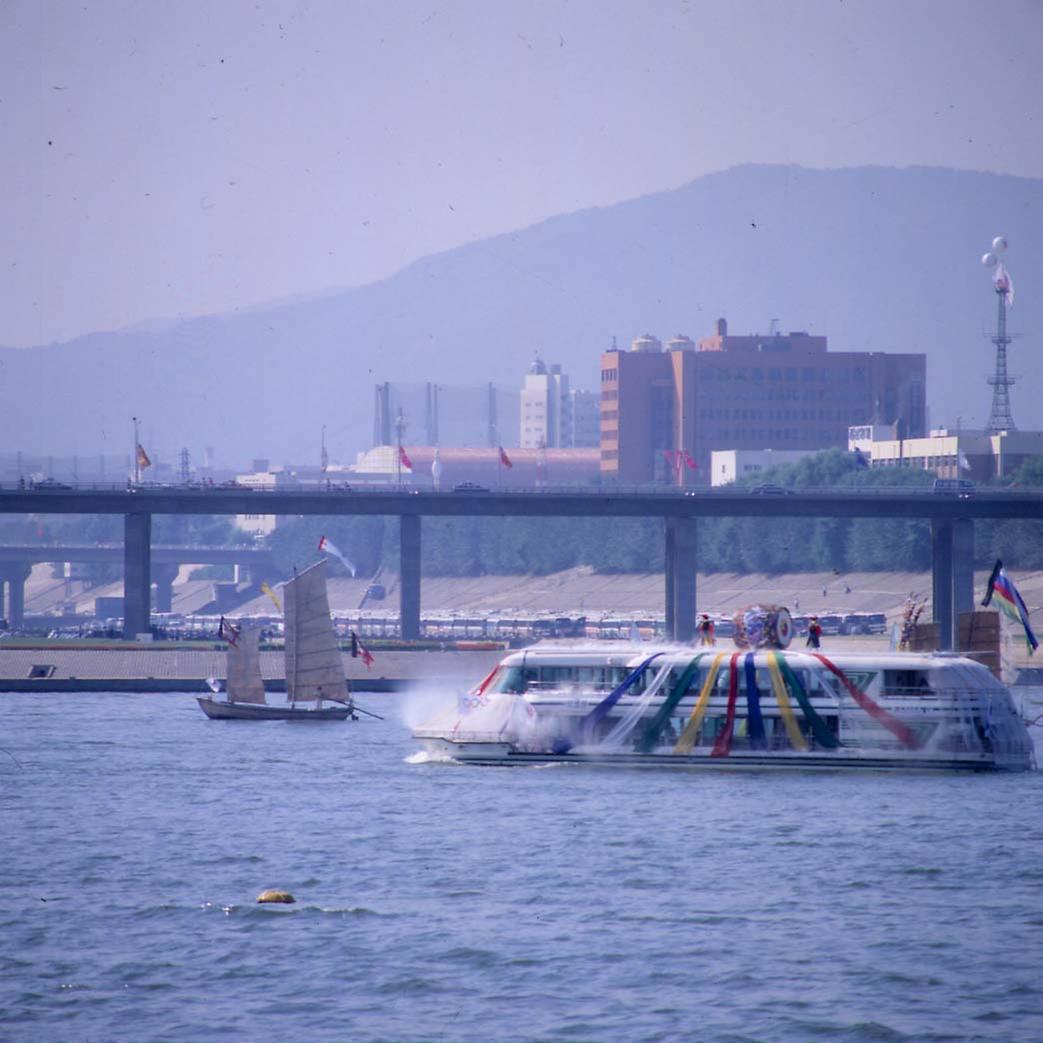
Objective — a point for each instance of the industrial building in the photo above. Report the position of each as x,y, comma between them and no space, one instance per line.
663,411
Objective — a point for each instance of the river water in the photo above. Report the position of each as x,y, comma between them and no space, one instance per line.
442,902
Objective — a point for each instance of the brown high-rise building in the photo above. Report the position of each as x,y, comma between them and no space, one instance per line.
664,411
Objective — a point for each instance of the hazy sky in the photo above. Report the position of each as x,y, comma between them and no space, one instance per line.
172,159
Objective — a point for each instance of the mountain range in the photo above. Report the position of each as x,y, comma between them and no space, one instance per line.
878,259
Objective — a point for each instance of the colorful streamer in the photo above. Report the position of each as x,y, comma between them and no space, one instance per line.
789,719
823,736
691,729
598,714
1001,587
723,746
650,736
897,728
755,725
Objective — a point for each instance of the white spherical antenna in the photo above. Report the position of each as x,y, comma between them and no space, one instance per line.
999,244
990,260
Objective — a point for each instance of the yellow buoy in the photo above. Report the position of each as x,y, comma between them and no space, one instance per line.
276,896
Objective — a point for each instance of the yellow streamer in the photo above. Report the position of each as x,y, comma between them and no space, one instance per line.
271,593
691,729
778,685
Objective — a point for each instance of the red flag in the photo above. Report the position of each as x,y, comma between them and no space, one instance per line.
359,650
505,459
403,458
668,455
692,465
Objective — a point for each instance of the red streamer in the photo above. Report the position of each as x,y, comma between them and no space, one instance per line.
900,731
723,746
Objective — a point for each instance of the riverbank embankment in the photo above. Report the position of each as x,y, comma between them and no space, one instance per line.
142,668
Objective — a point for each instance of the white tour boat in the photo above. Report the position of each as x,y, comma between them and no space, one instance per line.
764,707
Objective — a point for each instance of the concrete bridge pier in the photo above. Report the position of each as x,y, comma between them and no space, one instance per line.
137,541
952,568
409,576
164,576
680,561
12,577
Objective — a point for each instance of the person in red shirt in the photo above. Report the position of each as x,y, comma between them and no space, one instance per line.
814,633
705,628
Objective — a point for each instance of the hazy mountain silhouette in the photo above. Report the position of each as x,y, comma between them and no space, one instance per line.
878,259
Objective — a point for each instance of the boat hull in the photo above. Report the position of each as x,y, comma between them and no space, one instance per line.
222,710
504,755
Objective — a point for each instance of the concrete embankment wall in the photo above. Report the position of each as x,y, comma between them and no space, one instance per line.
143,669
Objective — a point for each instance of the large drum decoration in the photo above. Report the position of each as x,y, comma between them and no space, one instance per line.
763,626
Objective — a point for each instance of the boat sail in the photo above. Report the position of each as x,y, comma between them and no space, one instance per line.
245,684
314,669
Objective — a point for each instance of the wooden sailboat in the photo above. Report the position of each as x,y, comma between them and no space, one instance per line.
316,689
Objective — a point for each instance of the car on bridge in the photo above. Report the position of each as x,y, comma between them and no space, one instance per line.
470,487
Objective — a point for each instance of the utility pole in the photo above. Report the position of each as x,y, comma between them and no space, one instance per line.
137,442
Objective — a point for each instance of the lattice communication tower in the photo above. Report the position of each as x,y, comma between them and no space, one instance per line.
1000,416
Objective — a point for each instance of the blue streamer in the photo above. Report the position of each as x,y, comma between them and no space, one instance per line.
600,712
755,723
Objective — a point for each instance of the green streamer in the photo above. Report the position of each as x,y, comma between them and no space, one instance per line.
650,736
823,736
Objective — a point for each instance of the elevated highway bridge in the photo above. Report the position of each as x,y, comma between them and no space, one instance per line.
951,514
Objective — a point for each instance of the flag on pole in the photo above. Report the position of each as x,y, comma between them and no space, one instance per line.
227,632
1010,602
359,650
327,546
689,462
142,457
271,593
965,464
403,458
504,458
668,456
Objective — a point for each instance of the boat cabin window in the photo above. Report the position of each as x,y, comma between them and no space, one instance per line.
906,680
576,676
508,679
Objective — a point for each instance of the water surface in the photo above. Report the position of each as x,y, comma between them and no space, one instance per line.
441,902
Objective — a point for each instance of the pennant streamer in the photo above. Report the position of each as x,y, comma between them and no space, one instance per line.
789,719
586,724
900,731
723,746
691,729
823,736
328,547
271,593
650,736
758,740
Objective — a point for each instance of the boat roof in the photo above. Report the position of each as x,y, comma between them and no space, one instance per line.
587,653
